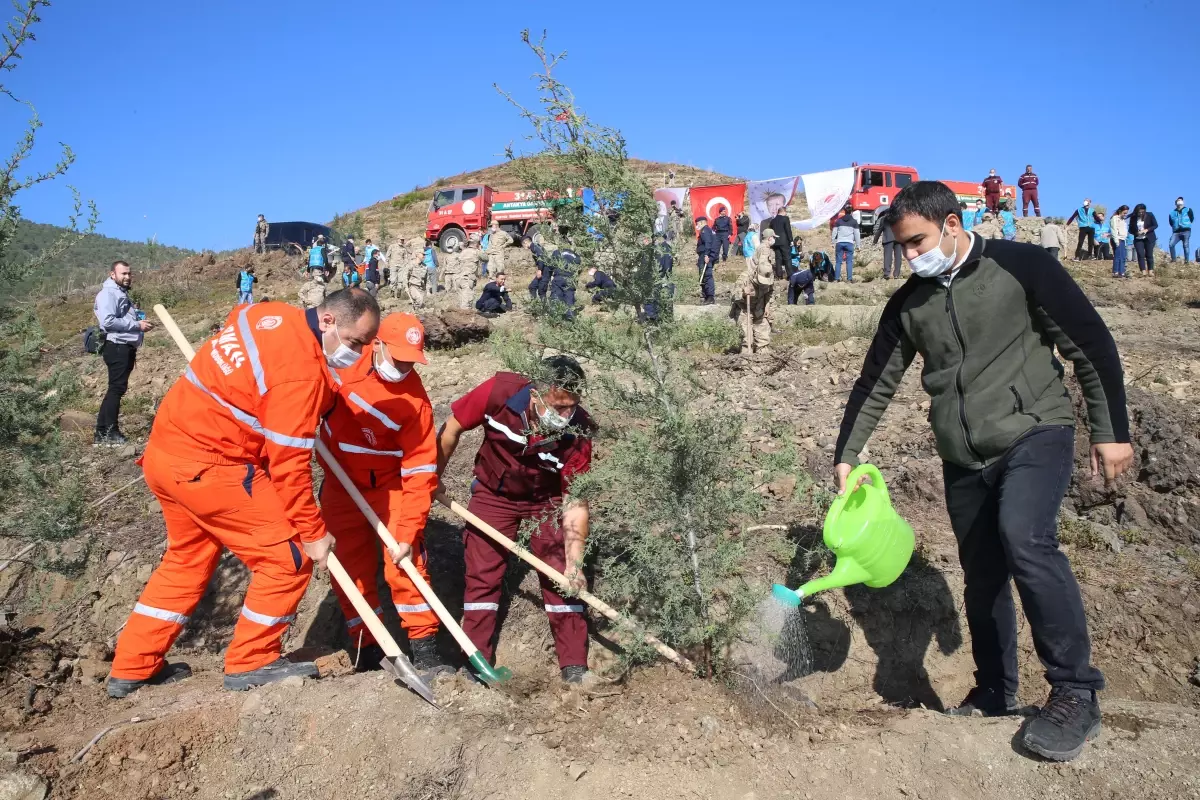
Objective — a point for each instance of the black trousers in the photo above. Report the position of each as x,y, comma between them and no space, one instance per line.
119,358
1088,234
783,257
1005,518
724,248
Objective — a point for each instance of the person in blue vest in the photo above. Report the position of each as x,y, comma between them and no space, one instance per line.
1087,230
1008,221
495,299
350,275
707,249
750,241
245,285
316,256
971,214
429,260
1181,219
1103,237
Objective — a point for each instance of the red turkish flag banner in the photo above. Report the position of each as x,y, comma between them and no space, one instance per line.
708,200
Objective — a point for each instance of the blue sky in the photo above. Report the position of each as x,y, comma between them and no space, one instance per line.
188,119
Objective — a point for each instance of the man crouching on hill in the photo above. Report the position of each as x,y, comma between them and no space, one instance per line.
986,315
536,440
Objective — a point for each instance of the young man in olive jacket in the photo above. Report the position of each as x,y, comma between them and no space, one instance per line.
986,316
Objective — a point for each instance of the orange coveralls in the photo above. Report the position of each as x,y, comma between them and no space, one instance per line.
252,397
383,436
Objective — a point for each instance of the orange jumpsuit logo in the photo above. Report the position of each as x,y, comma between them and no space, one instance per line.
269,323
226,348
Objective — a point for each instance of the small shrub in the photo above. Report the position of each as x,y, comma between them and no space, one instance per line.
1081,534
1132,536
715,334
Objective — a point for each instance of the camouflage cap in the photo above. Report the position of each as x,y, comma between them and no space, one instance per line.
769,233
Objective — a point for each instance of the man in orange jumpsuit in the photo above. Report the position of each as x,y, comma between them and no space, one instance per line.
251,399
381,432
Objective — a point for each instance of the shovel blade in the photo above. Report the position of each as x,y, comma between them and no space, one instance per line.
402,670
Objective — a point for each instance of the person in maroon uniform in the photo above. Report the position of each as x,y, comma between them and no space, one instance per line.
1029,192
993,184
537,438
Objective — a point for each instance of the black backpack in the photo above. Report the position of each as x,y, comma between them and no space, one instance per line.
93,340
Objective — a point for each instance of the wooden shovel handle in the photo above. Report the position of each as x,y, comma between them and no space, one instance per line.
390,543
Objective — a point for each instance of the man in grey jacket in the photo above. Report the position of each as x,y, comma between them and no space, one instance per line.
846,238
123,327
893,254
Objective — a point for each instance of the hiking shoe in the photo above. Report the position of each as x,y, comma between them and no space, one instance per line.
426,659
169,673
109,437
981,702
578,677
369,658
1070,718
274,672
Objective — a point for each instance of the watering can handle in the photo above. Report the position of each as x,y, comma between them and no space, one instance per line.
871,471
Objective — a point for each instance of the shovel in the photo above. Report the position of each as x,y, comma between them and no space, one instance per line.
556,576
394,663
487,673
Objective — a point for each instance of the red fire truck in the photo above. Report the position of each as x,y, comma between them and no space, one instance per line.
458,211
876,184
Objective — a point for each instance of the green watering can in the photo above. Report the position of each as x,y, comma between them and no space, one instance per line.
872,543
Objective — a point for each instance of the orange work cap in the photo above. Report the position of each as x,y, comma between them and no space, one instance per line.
404,336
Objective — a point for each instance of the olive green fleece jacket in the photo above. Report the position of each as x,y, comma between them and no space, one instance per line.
988,343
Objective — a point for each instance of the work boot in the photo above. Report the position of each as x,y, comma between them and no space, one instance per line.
579,677
168,673
109,437
1070,718
274,672
981,702
368,659
426,659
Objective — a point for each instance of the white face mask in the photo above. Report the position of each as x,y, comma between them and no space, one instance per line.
389,373
934,262
552,420
342,356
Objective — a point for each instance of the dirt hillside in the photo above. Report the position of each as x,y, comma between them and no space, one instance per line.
862,723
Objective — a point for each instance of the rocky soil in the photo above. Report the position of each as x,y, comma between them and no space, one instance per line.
863,723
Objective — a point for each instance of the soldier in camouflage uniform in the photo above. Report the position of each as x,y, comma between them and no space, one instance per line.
757,281
460,271
989,228
401,260
312,292
261,229
498,240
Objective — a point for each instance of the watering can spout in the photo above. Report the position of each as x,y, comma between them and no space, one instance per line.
846,573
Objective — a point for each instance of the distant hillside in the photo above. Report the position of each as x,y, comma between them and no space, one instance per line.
405,212
95,252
